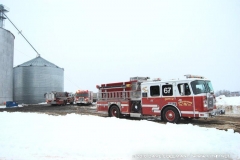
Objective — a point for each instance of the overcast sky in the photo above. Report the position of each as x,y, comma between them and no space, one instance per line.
104,41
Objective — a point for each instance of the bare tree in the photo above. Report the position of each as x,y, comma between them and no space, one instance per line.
227,93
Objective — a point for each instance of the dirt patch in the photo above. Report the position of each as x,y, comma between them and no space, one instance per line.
222,122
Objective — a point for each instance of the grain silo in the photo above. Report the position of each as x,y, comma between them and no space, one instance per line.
6,60
34,78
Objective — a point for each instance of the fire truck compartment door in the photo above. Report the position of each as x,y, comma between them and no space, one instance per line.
151,96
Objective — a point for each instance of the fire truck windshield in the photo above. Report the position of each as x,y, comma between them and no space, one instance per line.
201,86
81,94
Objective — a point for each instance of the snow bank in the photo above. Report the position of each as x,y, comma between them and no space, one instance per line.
41,136
230,104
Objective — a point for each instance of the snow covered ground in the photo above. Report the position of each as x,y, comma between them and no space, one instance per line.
41,136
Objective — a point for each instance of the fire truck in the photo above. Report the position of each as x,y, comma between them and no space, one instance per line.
59,98
191,97
83,97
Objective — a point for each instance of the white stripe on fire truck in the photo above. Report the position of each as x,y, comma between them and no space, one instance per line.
189,112
124,105
150,105
102,104
156,110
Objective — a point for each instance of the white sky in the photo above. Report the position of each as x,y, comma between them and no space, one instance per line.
109,41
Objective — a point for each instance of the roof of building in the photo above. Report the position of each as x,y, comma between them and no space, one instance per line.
38,62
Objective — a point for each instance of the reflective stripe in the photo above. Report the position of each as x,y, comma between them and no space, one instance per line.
156,110
150,105
187,112
102,104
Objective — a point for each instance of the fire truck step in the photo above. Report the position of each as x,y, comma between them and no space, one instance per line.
135,114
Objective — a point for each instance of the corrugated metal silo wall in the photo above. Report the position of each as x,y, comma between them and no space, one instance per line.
6,65
30,83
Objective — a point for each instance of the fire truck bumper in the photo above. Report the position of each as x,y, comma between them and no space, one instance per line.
205,114
82,102
51,102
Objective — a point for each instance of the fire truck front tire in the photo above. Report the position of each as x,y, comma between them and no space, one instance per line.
114,111
170,114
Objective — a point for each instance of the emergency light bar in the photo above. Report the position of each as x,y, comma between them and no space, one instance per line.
193,76
139,78
81,91
112,87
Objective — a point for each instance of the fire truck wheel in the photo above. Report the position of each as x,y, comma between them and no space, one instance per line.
114,111
170,114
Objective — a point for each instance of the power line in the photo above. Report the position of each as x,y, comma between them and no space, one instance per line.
22,35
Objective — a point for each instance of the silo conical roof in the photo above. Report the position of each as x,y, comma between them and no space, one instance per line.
39,62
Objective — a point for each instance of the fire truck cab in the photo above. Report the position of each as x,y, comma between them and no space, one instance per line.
83,97
170,100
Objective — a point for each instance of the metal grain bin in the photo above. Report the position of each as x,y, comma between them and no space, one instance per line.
6,65
34,78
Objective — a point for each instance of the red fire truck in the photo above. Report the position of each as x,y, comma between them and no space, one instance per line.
59,98
191,97
83,97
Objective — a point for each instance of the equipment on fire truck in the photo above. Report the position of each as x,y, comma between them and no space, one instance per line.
168,100
59,98
193,76
83,97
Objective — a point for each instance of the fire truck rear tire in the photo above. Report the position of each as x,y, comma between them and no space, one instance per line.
170,114
114,111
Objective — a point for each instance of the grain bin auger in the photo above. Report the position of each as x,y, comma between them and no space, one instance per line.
20,32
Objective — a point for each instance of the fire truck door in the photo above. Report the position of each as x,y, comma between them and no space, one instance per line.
151,100
185,100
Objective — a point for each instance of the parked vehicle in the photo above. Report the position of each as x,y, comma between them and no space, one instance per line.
83,97
59,98
170,100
